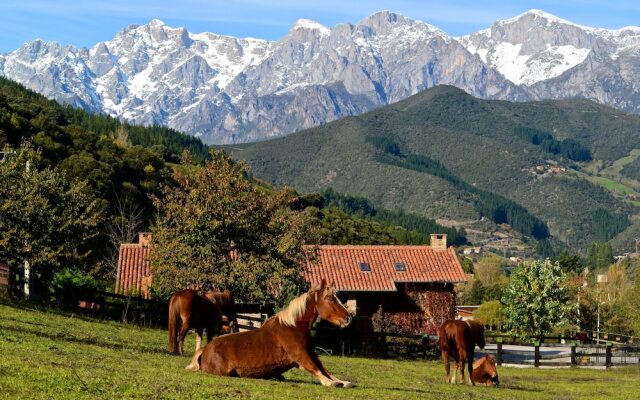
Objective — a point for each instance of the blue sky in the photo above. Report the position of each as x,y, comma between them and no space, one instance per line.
86,22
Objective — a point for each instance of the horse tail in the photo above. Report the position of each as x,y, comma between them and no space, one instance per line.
442,338
173,324
195,361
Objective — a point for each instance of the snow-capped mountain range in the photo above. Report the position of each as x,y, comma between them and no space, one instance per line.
225,90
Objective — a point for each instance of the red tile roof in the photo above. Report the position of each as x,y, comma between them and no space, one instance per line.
340,264
133,273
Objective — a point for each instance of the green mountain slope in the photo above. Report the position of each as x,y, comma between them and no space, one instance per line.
477,142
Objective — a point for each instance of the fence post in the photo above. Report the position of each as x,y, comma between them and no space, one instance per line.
573,355
536,360
607,359
499,350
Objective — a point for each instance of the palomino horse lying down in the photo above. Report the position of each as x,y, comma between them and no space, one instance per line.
485,371
282,343
458,339
188,309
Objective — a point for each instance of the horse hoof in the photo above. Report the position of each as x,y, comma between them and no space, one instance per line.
192,367
336,384
347,384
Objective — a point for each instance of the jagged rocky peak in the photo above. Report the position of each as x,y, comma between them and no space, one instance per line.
532,46
536,29
228,89
40,48
386,22
307,24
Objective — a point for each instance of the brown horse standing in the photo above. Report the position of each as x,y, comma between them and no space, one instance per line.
188,309
282,343
458,339
226,306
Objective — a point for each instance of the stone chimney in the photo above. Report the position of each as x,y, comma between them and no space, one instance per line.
439,241
144,238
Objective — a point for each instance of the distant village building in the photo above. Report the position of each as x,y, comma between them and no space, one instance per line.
472,250
407,289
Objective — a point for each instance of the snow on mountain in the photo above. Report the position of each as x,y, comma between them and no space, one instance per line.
536,46
531,47
226,89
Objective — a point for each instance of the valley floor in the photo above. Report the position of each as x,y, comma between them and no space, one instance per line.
44,354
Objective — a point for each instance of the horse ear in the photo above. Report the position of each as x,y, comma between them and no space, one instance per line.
323,284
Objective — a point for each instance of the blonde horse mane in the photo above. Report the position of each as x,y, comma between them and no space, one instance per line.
298,306
479,361
294,310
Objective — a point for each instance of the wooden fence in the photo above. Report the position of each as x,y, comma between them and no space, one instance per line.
154,313
573,354
588,337
4,275
384,345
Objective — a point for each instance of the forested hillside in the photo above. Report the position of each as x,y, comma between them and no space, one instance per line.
449,156
97,177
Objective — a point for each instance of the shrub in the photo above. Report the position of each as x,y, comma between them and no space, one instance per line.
69,286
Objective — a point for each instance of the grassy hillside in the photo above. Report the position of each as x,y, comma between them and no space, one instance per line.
63,356
477,141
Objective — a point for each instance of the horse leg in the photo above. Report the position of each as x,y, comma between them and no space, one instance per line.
195,361
316,360
183,333
210,334
306,362
447,367
462,357
199,332
470,368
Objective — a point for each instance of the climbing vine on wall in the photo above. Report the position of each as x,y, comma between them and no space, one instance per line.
435,304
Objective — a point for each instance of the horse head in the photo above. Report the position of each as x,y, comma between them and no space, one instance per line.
329,307
485,371
477,332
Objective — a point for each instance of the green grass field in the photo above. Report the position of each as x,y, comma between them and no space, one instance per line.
617,166
46,355
608,184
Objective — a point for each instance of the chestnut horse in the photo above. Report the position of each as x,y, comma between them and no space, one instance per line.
485,371
281,343
458,339
188,309
226,305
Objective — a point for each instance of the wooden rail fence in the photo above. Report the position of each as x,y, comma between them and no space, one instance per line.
154,313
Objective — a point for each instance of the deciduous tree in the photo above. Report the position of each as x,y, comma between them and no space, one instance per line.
218,229
491,313
537,299
45,218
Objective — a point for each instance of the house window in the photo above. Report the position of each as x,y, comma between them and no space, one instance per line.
400,267
364,267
